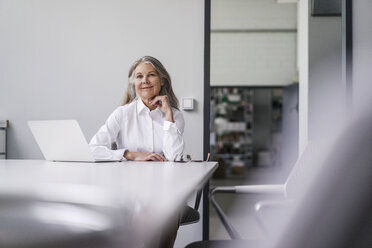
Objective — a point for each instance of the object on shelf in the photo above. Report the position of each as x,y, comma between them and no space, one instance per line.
224,126
234,98
237,166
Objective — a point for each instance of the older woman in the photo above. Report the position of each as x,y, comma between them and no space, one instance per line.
149,125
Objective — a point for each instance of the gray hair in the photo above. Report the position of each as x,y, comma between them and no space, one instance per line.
166,89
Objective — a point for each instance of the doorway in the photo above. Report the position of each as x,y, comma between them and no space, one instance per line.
253,95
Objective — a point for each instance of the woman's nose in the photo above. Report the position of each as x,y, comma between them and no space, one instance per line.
145,79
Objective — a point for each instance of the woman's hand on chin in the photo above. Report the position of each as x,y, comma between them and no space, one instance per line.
162,102
144,156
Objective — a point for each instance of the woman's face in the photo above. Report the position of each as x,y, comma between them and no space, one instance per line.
147,81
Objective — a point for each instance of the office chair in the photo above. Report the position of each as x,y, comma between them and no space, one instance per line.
336,208
294,186
191,215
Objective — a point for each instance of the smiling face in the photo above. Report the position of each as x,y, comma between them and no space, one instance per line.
147,82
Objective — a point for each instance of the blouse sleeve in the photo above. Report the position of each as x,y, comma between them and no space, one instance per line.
105,137
173,143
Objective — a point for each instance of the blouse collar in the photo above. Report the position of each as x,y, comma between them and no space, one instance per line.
142,108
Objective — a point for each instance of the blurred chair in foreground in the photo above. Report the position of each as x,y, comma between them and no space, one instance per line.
334,212
191,215
337,210
293,187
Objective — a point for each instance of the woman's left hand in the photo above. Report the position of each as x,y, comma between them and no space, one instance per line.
162,102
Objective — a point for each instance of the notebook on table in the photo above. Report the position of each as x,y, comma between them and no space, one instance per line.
62,140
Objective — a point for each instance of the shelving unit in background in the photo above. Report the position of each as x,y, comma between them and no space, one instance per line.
245,128
231,129
4,124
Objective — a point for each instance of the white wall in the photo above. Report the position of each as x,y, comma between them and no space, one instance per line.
322,92
326,92
362,55
253,42
303,72
68,59
252,14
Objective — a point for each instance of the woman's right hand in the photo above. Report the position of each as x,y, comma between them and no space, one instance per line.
144,156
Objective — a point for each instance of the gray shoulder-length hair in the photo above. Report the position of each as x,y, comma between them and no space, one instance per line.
166,89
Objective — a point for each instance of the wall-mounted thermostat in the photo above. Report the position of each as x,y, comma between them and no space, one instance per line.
187,103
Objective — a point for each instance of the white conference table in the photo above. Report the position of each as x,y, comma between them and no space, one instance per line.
127,203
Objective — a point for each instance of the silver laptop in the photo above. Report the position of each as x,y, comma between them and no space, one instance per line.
62,140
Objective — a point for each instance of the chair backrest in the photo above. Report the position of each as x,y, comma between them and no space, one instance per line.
305,169
337,209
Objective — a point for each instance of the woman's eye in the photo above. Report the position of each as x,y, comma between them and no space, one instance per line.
139,76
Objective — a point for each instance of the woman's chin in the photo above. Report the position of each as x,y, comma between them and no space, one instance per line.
146,99
147,96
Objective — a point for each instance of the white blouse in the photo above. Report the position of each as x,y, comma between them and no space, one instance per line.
135,128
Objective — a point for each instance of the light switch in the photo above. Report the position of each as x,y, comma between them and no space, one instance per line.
187,103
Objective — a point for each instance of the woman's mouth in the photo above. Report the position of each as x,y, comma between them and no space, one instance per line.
146,88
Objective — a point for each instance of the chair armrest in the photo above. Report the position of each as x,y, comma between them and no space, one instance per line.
246,189
261,189
266,204
266,207
251,189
